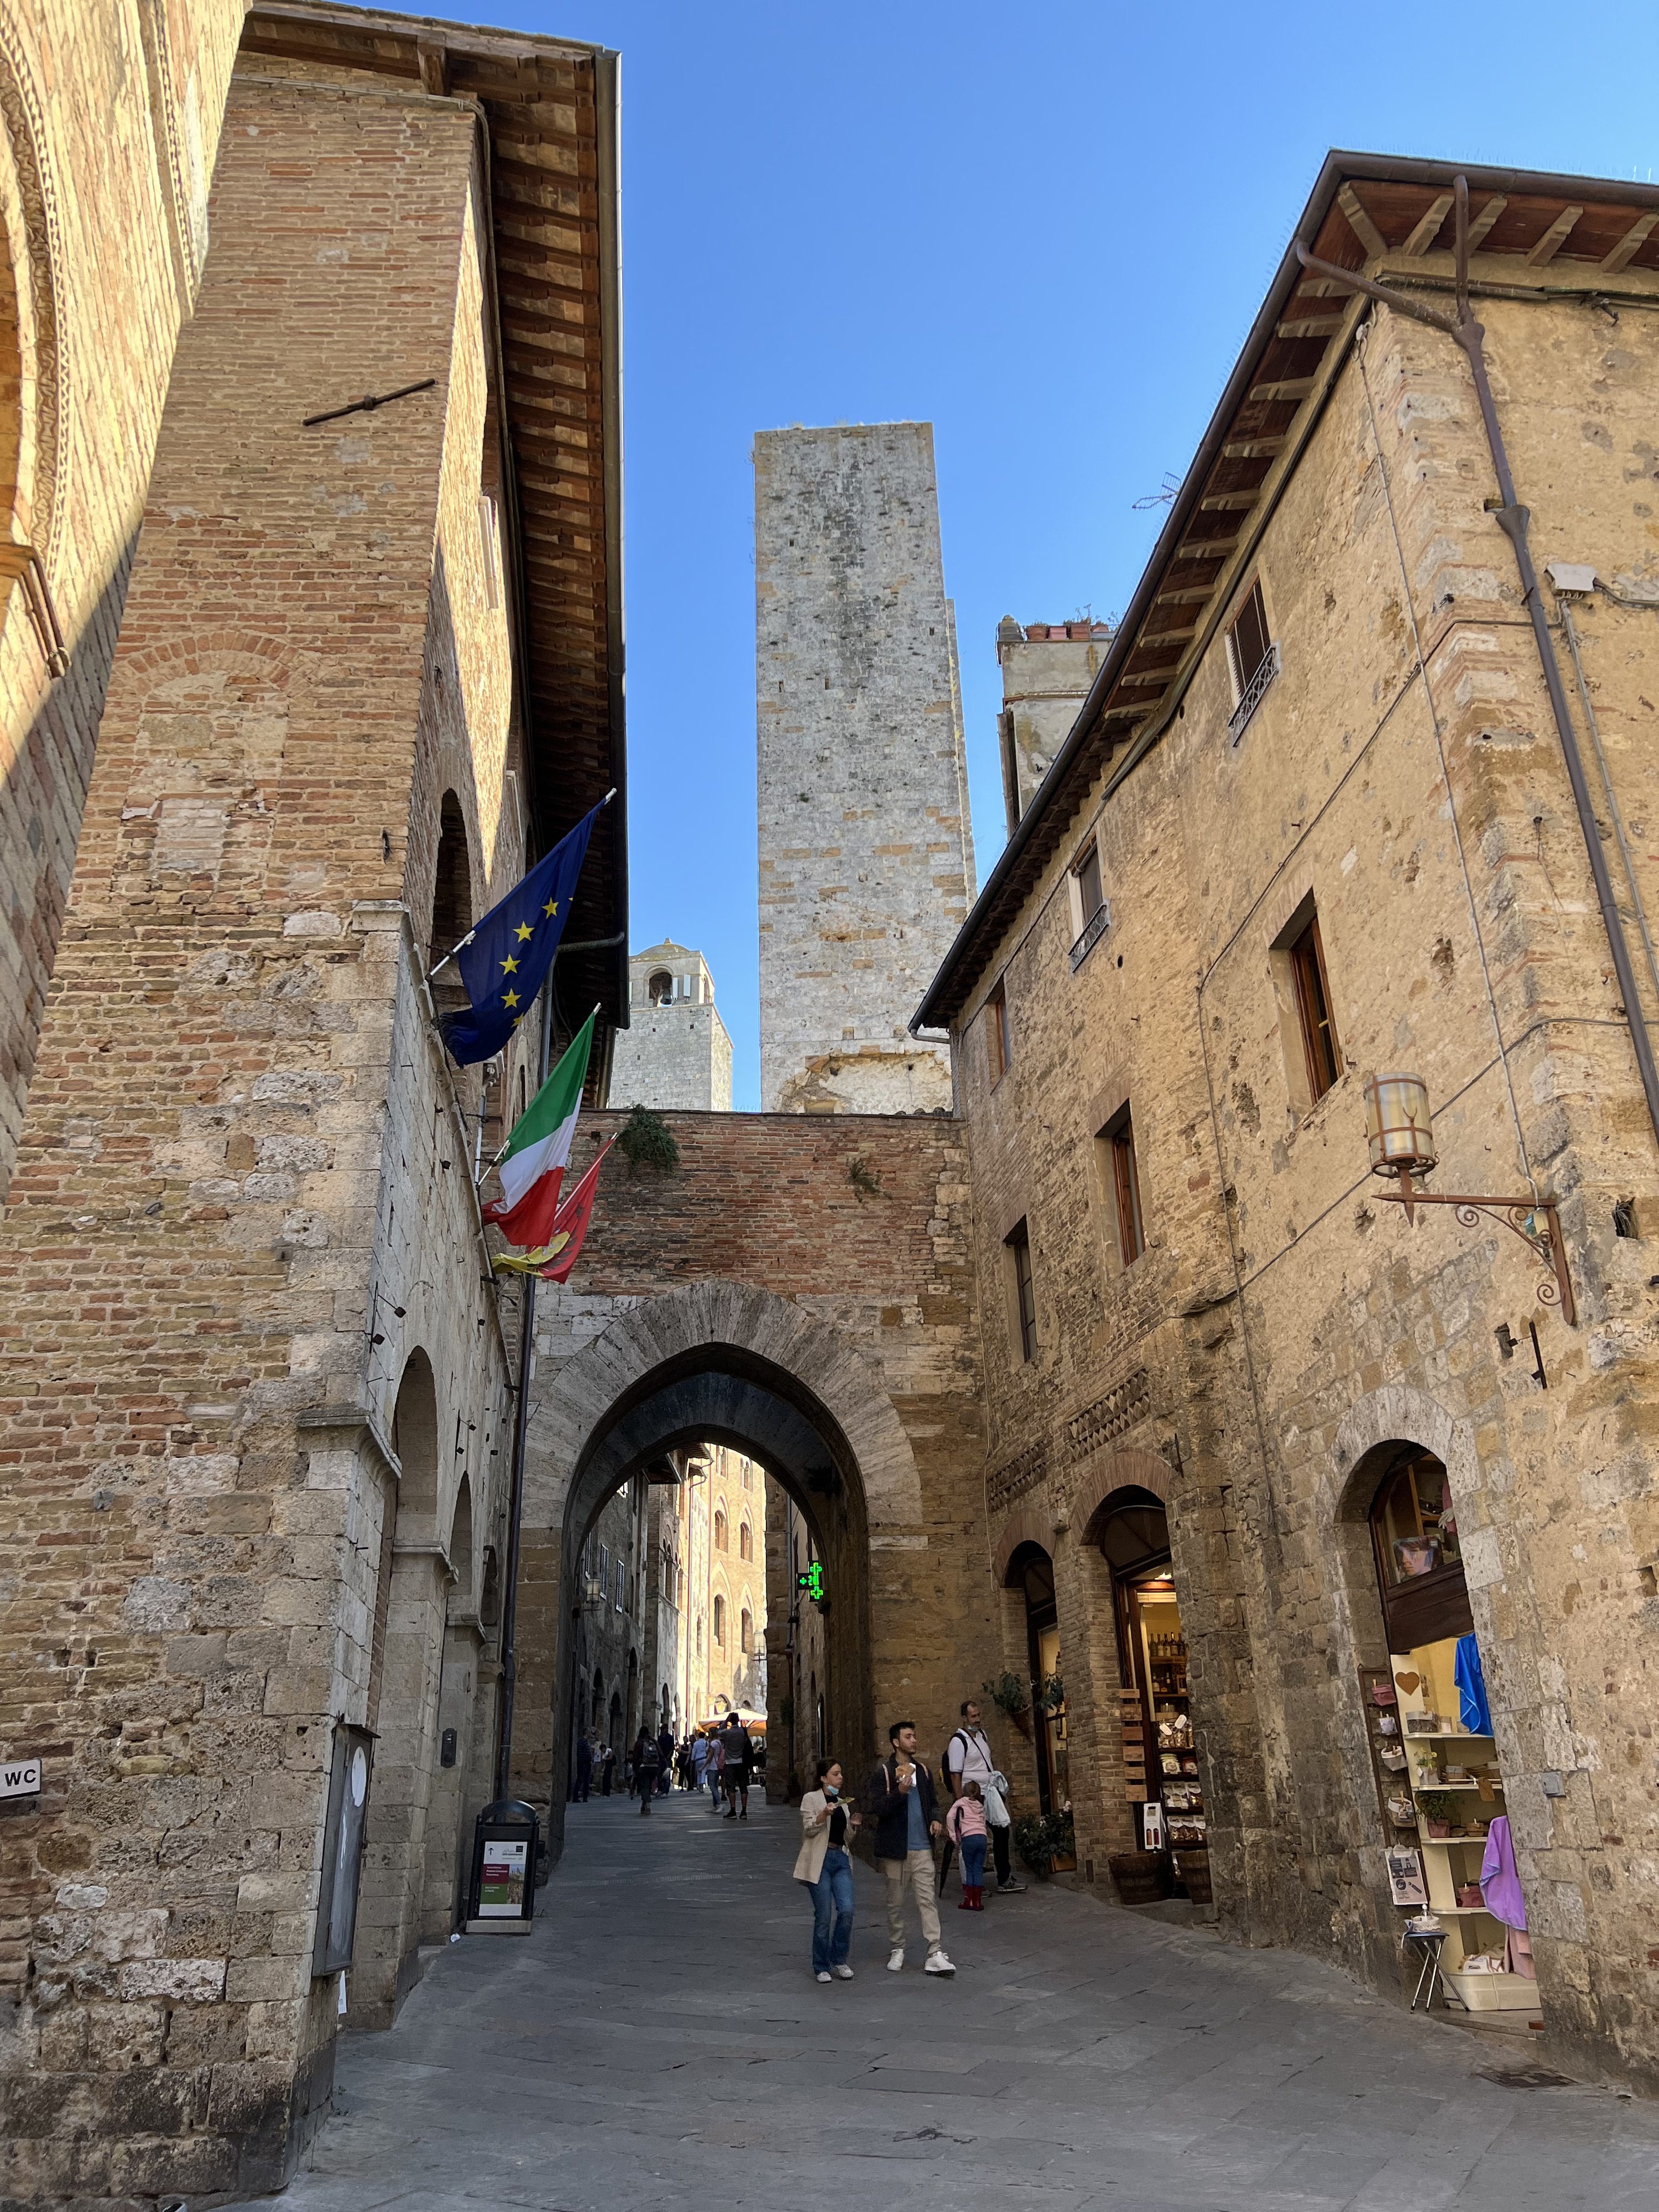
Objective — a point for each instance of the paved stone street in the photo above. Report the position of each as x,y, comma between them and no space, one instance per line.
659,2041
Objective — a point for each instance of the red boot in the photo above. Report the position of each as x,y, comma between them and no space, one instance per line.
966,1902
979,1897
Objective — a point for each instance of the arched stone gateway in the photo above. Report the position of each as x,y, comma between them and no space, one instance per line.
731,1364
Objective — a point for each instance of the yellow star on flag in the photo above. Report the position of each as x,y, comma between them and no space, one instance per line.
509,998
552,907
524,930
508,965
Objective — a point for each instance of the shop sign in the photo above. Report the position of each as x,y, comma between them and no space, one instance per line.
20,1778
501,1886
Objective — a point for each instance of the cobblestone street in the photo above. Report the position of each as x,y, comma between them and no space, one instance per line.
659,2041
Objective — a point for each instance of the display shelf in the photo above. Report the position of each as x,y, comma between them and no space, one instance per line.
1448,1736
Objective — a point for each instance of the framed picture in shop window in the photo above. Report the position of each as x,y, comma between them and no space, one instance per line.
1406,1883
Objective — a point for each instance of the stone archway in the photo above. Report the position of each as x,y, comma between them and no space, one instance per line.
730,1363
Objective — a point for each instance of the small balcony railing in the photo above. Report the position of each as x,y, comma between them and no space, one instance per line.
1239,720
1099,923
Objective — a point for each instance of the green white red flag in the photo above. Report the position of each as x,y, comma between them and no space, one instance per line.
532,1162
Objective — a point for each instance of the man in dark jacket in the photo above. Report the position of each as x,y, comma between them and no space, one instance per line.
901,1800
664,1758
645,1758
734,1771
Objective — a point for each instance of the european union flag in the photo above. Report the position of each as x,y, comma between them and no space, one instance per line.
505,960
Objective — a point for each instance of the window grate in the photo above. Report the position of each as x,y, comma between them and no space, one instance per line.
1092,935
1239,720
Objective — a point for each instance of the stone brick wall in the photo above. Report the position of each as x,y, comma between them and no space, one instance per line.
673,1057
108,122
764,1255
867,860
1047,669
256,1413
1283,1325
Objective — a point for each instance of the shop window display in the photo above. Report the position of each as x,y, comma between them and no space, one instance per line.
1449,1861
1160,1758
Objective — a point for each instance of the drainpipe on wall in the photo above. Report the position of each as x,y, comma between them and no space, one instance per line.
1512,519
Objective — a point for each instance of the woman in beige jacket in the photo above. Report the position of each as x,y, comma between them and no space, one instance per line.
826,1867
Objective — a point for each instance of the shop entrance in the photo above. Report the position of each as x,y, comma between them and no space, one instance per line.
1450,1863
1160,1763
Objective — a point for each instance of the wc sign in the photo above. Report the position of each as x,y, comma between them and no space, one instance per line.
20,1778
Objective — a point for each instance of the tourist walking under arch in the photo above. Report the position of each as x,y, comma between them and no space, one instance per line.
901,1800
824,1866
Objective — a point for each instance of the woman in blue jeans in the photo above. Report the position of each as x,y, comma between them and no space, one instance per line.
826,1868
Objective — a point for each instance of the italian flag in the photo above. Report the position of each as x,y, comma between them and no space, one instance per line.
532,1162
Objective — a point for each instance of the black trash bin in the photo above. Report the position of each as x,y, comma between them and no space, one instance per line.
502,1896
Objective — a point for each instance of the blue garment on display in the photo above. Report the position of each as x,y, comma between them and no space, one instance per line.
1471,1687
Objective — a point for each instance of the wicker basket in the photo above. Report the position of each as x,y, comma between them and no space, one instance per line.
1142,1877
1194,1868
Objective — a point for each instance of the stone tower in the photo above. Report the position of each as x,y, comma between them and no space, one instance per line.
675,1051
867,856
1047,669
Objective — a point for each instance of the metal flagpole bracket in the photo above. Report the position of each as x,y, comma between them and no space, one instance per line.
1534,1220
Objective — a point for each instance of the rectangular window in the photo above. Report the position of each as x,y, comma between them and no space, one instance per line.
1126,1190
1088,884
1019,1248
1313,1006
1253,658
996,1033
1091,916
490,531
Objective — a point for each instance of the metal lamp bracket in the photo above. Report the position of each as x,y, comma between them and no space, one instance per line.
1534,1220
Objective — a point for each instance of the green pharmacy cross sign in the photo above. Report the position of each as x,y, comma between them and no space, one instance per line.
812,1582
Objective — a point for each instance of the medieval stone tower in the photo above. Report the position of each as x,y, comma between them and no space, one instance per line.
867,855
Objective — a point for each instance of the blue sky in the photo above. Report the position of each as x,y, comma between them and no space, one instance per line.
1046,230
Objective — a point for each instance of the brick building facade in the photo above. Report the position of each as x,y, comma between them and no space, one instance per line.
1316,819
258,1388
108,124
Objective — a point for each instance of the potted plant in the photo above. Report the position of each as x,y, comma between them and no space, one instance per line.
1008,1695
1436,1809
1034,1844
1062,1842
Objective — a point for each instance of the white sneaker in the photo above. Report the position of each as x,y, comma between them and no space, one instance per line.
895,1960
843,1974
939,1964
824,1978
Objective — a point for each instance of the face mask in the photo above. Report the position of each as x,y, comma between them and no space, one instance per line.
830,1790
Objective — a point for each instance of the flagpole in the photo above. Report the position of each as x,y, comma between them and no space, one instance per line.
450,954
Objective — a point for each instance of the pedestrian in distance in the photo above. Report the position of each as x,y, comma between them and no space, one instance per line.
964,1826
699,1761
734,1768
607,1768
968,1759
583,1766
716,1772
647,1760
665,1758
825,1865
901,1801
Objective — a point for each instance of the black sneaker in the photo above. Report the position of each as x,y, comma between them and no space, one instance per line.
1011,1888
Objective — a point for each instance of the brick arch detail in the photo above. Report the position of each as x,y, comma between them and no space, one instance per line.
1030,1525
1115,1471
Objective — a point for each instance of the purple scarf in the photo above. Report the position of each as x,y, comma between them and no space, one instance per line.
1500,1885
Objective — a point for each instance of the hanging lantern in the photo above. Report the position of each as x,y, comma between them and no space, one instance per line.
1398,1126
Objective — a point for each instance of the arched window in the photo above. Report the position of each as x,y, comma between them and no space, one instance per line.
720,1619
679,1588
452,886
747,1627
745,1542
720,1532
660,987
1419,1560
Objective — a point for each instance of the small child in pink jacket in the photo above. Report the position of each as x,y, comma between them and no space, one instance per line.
964,1823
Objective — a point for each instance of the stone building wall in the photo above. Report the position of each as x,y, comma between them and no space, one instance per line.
109,120
1047,669
1283,1323
675,1051
795,1664
763,1253
866,857
257,1403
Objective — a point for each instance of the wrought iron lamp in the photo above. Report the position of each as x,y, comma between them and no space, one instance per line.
1400,1133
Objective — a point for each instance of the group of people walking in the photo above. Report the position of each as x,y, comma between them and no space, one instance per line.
903,1801
726,1761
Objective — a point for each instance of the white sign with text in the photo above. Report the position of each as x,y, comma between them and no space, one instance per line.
20,1778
